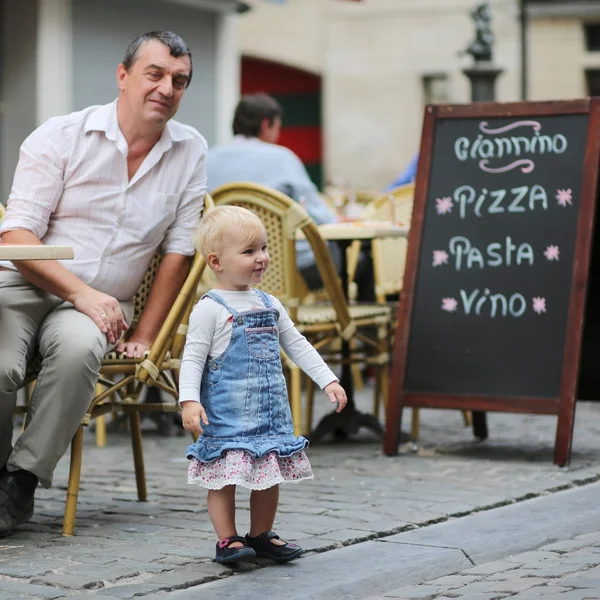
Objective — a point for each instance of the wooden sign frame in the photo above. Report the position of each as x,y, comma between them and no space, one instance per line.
563,406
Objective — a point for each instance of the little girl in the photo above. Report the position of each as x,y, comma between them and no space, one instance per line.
233,392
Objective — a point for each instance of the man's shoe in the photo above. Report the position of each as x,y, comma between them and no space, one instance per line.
16,504
264,547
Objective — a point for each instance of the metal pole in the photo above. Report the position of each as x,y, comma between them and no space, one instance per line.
524,48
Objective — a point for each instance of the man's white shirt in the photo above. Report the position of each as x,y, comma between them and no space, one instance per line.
71,188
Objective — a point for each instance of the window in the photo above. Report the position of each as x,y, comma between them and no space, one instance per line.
592,77
592,37
436,88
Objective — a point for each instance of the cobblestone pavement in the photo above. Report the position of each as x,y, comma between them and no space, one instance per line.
123,548
568,570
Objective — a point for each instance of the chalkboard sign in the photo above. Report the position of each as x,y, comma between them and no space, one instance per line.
494,290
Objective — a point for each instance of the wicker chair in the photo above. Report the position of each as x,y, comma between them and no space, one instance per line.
323,324
159,367
388,254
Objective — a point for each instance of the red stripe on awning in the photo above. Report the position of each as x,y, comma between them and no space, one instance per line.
304,141
273,78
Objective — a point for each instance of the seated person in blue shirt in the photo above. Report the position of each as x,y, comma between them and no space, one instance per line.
407,176
254,156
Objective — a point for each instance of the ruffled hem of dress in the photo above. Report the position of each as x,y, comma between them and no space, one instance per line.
217,485
238,467
211,449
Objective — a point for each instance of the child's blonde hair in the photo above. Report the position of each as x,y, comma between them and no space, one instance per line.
226,218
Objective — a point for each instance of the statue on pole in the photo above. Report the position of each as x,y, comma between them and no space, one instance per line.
481,47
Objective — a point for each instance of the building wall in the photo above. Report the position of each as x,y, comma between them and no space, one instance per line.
293,33
102,31
558,59
17,83
373,56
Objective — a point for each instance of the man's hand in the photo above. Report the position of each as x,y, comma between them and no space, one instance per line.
336,393
192,416
134,347
103,309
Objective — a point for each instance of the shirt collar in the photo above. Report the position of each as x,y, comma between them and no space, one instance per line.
104,118
244,139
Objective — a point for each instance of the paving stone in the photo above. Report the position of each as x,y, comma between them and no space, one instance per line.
567,546
451,581
490,568
124,592
201,573
12,589
416,592
69,581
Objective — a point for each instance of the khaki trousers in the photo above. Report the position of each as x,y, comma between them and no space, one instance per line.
72,347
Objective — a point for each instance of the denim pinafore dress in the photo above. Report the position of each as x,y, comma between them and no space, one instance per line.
244,393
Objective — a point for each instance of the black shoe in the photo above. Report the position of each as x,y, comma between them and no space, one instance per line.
16,504
225,554
263,547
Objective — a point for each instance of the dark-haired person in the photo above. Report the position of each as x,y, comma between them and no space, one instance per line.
115,182
254,156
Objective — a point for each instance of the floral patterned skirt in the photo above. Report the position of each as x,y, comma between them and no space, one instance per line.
238,467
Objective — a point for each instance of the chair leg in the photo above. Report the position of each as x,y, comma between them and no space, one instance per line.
296,398
357,377
382,381
416,424
310,395
101,431
73,485
467,418
377,395
385,385
100,422
138,455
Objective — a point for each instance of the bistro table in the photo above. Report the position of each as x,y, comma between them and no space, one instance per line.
350,420
22,252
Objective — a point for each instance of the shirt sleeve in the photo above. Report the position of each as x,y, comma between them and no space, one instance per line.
298,348
303,190
197,347
179,237
38,182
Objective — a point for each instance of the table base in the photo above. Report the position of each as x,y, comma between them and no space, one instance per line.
345,424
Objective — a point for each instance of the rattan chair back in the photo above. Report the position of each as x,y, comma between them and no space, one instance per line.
389,254
282,217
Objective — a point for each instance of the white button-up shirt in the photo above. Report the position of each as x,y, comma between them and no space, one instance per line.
71,188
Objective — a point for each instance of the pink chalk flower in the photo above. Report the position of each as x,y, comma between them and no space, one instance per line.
449,304
539,305
440,257
564,197
444,205
551,253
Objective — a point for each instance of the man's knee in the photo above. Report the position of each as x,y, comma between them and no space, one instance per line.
12,374
78,353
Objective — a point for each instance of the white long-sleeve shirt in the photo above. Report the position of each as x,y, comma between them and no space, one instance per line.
72,188
209,335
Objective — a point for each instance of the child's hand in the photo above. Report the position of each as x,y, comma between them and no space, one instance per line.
192,414
336,393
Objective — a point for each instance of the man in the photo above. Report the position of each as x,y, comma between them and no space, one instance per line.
115,182
255,156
